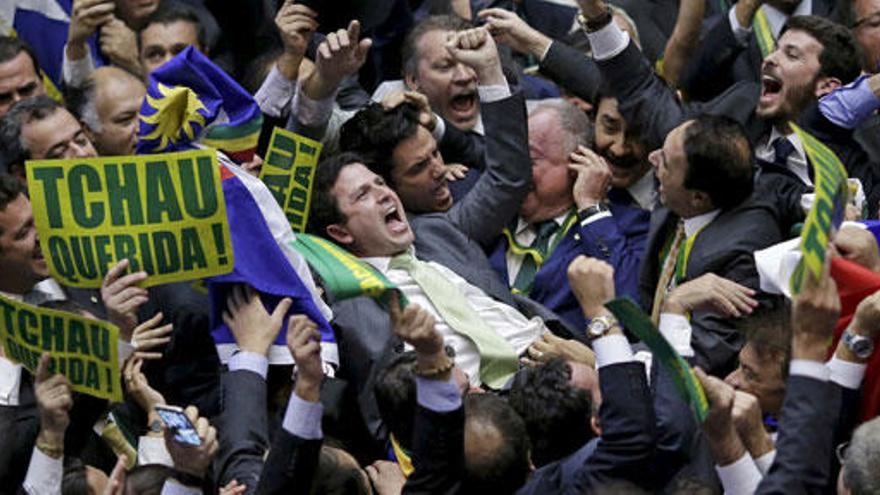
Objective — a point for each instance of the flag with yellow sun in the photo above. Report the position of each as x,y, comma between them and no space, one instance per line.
190,99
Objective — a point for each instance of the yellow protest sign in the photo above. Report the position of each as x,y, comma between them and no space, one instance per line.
82,349
827,212
288,172
165,213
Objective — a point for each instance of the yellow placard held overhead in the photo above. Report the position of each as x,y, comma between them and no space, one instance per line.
827,212
82,349
165,213
288,171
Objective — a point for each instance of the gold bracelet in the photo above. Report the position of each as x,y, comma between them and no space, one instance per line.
435,372
50,450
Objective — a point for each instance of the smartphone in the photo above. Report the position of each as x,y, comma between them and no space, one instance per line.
176,421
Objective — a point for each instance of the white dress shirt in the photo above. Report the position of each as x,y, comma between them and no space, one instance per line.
775,18
796,161
525,234
509,323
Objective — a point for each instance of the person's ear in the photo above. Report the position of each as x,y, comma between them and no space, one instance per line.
411,81
825,85
594,425
340,234
701,201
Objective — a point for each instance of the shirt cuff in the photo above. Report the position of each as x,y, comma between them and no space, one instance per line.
608,42
438,396
847,106
125,350
174,487
75,72
741,34
275,93
676,329
44,474
152,450
612,349
303,418
809,369
493,92
439,129
764,462
309,112
10,382
846,374
249,361
598,216
546,51
740,478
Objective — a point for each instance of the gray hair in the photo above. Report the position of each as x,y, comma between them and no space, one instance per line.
861,471
571,118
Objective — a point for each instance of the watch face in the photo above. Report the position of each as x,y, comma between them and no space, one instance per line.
863,347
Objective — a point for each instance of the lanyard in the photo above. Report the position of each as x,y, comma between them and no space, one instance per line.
684,255
517,248
763,33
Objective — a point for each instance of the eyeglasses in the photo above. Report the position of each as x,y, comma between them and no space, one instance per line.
841,452
871,20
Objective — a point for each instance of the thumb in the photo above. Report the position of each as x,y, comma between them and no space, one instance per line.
363,48
394,305
43,373
282,308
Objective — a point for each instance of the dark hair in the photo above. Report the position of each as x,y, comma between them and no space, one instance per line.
395,391
841,55
719,160
169,13
374,132
557,415
768,330
73,480
409,52
32,109
339,473
147,479
11,46
324,210
506,469
10,189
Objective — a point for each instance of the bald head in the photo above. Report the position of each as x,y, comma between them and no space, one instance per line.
108,106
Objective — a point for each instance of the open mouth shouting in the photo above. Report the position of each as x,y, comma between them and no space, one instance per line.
464,104
394,220
771,90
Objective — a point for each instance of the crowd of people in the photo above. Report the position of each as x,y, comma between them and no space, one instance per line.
510,167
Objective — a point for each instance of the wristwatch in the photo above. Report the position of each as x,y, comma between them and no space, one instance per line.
601,325
155,426
859,345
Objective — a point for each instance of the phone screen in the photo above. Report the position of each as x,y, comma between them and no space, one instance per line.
184,431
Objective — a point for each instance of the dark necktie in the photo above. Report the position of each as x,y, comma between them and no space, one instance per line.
782,149
525,278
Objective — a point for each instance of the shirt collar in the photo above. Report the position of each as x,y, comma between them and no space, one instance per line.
793,138
381,263
776,18
522,225
643,191
693,225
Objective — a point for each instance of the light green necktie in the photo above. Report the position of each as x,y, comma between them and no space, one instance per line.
498,360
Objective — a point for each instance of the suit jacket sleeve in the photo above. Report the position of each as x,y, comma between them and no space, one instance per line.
710,70
573,70
291,465
628,433
464,147
438,452
645,98
496,197
602,239
804,445
242,429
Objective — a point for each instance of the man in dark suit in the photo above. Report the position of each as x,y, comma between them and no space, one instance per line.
788,92
571,210
708,224
736,43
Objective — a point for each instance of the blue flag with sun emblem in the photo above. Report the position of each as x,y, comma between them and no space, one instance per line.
190,99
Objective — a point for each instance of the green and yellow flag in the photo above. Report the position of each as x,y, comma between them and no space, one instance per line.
288,171
826,215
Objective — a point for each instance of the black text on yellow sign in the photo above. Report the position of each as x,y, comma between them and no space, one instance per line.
288,172
82,349
165,213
